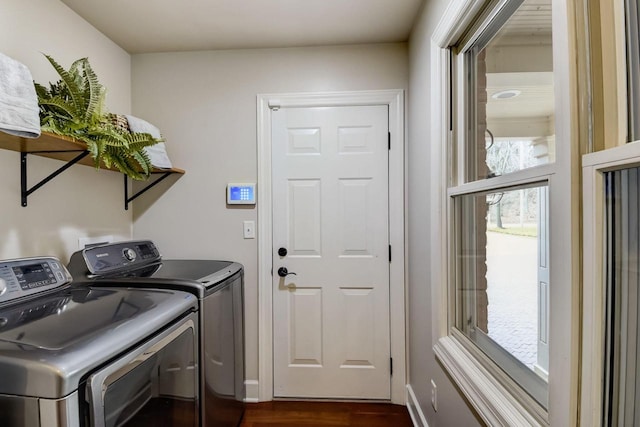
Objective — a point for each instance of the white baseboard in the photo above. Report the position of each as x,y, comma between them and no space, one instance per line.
415,412
253,393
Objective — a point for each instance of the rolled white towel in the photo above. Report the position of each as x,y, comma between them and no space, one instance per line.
158,152
19,111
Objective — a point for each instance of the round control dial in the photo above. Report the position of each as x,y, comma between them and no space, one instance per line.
129,254
3,286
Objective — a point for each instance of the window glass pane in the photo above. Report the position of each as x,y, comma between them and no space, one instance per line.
511,95
632,26
503,281
621,405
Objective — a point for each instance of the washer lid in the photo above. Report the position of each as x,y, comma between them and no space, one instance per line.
193,269
48,344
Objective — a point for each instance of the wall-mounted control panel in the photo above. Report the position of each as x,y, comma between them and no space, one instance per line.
28,276
241,193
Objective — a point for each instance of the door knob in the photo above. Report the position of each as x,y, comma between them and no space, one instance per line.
283,272
282,251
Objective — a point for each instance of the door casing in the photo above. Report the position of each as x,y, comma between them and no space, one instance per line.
394,99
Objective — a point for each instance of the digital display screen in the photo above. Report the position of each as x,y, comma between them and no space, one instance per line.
33,275
243,194
146,250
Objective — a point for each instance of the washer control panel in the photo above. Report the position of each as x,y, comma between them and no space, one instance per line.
113,257
28,276
129,254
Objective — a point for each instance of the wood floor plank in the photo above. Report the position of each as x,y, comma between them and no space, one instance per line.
325,414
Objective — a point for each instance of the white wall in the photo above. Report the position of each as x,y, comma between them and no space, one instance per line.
81,201
423,367
205,105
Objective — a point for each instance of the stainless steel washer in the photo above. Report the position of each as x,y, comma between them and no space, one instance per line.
91,356
219,287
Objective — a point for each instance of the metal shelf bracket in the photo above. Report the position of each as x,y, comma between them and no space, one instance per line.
128,199
24,192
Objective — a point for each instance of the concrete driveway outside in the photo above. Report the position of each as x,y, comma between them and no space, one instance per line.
512,293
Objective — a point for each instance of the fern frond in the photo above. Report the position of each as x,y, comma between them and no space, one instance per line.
71,84
41,91
123,165
58,103
76,65
143,160
100,108
112,139
137,141
92,92
50,125
94,149
128,163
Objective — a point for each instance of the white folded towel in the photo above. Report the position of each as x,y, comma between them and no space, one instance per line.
158,152
19,111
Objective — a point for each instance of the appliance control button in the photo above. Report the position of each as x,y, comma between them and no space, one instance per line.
129,254
3,286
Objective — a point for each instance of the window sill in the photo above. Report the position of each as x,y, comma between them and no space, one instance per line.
495,403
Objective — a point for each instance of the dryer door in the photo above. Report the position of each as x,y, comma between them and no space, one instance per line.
154,384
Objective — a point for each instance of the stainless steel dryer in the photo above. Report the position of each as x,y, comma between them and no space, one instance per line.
92,356
219,287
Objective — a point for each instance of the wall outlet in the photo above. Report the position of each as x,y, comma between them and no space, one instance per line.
434,395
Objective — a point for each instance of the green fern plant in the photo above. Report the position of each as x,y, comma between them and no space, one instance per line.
74,107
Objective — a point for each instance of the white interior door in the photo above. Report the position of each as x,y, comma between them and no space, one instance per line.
331,215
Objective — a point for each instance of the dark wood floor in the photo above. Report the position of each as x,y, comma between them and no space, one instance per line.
310,414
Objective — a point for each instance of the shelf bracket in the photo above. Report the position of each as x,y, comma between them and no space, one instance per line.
23,171
128,199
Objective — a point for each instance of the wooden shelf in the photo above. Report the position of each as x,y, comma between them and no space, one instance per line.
69,151
57,147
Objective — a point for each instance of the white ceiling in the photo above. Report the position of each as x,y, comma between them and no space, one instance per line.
141,26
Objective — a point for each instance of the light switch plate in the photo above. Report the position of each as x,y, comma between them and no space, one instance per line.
249,229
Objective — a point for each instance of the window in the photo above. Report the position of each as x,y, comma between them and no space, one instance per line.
502,289
611,324
621,388
611,283
506,126
507,217
632,34
612,55
621,398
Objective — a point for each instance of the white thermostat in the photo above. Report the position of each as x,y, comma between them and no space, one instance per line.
241,194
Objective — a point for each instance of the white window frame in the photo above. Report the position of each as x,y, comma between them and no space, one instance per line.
594,166
617,155
496,398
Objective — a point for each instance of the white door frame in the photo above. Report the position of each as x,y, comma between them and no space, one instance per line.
263,391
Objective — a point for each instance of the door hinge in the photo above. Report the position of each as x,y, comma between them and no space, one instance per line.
391,366
389,253
389,139
274,104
